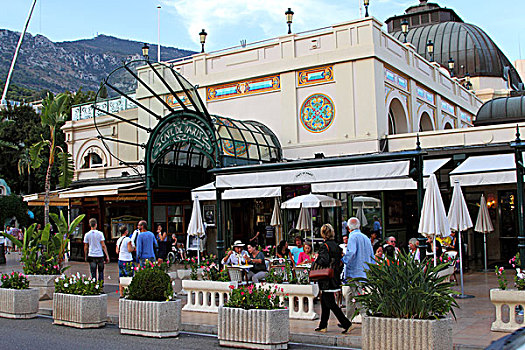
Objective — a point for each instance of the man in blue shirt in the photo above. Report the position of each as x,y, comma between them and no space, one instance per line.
146,244
359,252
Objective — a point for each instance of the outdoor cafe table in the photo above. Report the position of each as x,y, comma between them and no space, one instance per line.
244,269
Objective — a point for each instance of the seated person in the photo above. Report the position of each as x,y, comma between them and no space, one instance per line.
298,249
256,258
181,252
430,248
282,251
306,257
236,256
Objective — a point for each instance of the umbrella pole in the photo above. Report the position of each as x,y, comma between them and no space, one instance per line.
312,228
198,250
485,248
434,250
462,295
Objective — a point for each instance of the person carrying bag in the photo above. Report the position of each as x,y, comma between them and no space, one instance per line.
327,271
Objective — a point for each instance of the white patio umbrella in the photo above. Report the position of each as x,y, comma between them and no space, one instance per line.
434,221
196,226
276,220
310,201
361,216
459,219
484,224
367,202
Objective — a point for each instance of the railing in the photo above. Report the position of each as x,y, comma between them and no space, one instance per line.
113,105
206,296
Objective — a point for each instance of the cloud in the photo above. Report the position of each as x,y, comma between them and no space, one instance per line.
257,19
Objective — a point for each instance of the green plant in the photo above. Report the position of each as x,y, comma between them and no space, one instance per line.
212,273
404,288
519,279
502,277
150,284
78,285
15,280
251,297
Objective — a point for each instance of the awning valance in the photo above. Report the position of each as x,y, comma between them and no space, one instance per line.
371,171
485,170
207,193
100,190
37,199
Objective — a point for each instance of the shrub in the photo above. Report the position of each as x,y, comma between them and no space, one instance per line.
78,285
15,280
251,297
150,284
404,288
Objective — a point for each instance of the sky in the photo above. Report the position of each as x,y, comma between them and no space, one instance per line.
229,21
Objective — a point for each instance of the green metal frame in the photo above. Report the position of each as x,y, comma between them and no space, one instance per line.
519,146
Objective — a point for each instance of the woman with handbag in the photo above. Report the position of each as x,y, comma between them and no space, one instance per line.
327,270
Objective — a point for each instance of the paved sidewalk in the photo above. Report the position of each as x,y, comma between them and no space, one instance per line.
471,329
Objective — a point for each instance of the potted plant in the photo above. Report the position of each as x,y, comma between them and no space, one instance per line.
17,300
249,306
79,302
43,253
149,308
210,293
513,298
404,296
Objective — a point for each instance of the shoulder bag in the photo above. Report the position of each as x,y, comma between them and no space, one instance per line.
321,273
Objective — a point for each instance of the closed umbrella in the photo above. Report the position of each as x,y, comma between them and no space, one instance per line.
361,216
196,226
459,219
276,220
484,224
434,221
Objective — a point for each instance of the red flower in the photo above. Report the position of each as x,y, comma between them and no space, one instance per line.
242,293
269,296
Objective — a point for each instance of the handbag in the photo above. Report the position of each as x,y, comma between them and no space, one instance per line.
321,273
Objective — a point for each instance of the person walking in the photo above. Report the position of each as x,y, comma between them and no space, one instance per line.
125,259
330,256
95,251
359,253
146,244
162,241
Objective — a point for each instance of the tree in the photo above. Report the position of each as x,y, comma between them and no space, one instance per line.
13,206
55,112
24,166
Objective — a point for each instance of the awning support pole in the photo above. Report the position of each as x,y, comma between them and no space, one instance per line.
518,158
220,238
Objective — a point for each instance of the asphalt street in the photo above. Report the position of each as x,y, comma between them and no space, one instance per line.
40,333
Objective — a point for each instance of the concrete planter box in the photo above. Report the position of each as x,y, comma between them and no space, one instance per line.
80,311
46,284
298,294
409,334
157,319
512,298
253,329
206,296
19,303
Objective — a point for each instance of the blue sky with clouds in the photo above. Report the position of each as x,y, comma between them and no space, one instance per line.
229,21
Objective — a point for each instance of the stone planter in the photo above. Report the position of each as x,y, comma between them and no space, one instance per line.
298,296
511,298
409,334
253,329
46,284
18,303
80,311
206,296
150,318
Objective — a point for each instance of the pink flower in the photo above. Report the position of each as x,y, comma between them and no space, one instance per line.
501,269
232,287
242,293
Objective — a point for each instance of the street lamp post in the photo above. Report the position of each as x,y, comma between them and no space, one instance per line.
202,36
430,50
451,64
289,16
366,3
145,51
404,29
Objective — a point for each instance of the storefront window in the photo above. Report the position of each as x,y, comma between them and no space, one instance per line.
508,224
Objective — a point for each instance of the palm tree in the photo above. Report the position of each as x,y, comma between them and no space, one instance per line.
24,166
54,114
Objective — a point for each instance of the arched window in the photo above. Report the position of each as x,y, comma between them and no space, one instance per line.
425,123
397,120
92,160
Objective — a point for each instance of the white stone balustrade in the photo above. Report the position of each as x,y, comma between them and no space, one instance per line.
206,296
511,298
298,294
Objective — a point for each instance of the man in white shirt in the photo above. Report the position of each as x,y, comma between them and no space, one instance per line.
94,250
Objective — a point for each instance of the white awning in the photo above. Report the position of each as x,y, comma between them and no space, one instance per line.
430,166
37,199
101,190
207,193
485,170
372,171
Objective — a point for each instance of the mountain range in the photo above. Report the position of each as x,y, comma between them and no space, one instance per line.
69,65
